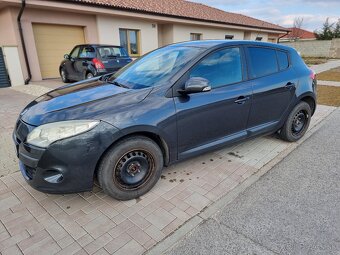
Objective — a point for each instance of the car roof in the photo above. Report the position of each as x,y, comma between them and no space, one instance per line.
220,43
99,45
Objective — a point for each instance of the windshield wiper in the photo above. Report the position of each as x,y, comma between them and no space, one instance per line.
118,84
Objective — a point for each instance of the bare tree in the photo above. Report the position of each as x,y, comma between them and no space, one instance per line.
296,33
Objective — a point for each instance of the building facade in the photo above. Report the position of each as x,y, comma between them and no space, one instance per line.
51,29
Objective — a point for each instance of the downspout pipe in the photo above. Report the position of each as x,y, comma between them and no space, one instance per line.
23,5
278,39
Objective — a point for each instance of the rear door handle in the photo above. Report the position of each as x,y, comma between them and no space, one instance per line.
242,99
290,85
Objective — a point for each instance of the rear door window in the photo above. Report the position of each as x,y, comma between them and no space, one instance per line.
220,68
262,61
282,58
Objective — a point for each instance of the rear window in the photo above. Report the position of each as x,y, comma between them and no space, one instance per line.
262,61
282,58
112,52
87,52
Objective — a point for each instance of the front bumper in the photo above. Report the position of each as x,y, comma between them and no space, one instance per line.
66,166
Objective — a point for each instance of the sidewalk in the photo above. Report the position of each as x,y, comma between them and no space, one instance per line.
293,209
87,223
330,64
329,83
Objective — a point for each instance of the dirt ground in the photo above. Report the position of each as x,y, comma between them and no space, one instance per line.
330,75
329,95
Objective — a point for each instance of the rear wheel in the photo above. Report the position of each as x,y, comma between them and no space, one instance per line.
131,168
63,76
297,123
89,75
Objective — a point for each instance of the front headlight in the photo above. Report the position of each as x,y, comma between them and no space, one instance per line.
44,135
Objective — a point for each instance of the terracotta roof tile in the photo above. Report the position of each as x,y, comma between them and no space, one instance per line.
184,9
299,33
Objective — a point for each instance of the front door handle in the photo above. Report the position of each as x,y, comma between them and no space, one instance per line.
290,85
242,99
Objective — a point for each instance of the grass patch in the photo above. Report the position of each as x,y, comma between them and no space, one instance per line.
329,95
314,61
330,75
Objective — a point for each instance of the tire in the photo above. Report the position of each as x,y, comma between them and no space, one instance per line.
297,123
130,168
63,76
89,75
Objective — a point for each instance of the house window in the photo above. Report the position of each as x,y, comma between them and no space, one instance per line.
229,37
195,37
130,40
258,38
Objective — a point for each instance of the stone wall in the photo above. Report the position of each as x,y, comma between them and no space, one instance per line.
335,48
316,48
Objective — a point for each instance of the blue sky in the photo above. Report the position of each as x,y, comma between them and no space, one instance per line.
283,12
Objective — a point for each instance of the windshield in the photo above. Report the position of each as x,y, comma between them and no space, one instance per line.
112,52
155,68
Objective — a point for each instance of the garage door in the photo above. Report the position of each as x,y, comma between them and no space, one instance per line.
52,43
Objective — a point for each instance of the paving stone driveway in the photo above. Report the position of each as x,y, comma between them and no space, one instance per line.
93,223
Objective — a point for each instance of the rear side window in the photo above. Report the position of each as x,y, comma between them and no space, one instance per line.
282,58
262,61
220,68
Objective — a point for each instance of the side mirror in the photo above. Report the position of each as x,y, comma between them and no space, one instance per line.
66,56
196,85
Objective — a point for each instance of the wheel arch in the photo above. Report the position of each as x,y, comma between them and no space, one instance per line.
309,98
154,136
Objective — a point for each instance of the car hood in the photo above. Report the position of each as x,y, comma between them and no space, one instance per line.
92,99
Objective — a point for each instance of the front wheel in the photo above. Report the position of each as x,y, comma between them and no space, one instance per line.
297,123
130,168
63,76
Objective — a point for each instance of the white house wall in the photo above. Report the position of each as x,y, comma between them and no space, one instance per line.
182,32
108,31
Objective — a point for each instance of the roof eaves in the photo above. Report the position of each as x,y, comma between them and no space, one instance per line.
105,5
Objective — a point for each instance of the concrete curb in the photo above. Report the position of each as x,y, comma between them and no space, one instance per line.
170,241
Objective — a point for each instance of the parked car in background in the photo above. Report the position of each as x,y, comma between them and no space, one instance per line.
174,103
90,60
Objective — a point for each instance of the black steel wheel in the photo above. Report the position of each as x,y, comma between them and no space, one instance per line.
130,168
133,169
297,123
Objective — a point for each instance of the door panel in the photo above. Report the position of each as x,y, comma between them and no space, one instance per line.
52,42
206,118
70,64
272,96
274,84
209,119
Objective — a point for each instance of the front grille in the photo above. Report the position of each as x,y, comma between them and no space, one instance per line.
30,172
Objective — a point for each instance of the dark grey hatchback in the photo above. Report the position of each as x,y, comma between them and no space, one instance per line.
174,103
89,60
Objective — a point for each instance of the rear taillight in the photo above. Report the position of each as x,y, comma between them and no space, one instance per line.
98,64
312,74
